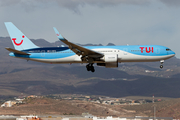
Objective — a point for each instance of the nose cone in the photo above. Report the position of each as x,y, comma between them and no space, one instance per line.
172,53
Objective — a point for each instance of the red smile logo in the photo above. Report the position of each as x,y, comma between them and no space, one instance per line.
14,40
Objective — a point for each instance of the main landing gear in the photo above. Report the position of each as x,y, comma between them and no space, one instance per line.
90,67
161,61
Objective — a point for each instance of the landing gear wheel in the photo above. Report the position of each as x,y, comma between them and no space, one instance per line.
161,66
161,61
90,67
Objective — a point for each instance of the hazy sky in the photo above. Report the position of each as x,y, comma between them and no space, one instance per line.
120,22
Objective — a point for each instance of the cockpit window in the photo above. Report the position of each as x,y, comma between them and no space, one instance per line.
168,49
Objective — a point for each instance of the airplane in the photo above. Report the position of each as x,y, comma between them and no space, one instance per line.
107,56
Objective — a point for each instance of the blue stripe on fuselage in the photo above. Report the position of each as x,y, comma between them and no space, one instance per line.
47,49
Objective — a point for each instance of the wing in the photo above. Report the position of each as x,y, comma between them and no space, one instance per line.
79,50
16,51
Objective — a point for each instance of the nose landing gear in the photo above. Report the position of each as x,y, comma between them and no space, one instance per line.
161,61
161,66
90,67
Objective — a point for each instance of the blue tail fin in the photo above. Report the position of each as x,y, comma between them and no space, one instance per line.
19,40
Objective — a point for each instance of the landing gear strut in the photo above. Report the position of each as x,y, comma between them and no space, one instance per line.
90,67
161,66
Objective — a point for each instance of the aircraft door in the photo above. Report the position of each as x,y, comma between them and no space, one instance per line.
157,50
42,53
125,51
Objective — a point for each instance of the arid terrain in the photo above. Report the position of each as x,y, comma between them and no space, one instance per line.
42,106
47,106
19,77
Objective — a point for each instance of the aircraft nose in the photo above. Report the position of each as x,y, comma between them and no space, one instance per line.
173,53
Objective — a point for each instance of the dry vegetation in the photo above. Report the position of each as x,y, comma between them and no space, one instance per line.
65,107
169,108
42,106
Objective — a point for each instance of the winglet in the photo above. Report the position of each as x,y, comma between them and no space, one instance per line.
58,34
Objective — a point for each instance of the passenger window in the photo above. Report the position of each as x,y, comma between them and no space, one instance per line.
53,51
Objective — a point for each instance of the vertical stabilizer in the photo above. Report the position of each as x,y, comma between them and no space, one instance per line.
19,40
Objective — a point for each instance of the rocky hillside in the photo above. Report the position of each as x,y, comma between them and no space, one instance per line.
130,79
46,106
169,108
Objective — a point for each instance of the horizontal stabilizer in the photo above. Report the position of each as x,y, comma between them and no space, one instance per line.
16,51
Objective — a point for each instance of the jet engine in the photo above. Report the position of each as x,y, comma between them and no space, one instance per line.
110,61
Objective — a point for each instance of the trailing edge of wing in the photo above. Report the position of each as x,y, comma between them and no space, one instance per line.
79,50
16,51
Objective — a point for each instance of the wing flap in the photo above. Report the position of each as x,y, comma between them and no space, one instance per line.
79,50
16,51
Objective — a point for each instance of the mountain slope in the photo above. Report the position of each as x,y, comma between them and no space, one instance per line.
168,108
147,86
17,76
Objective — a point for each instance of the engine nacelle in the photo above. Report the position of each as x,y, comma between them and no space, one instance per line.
108,65
111,61
111,58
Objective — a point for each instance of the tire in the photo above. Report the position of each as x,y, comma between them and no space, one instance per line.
161,66
92,69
